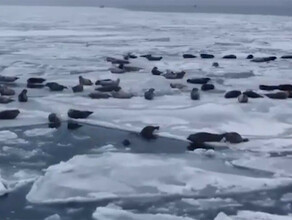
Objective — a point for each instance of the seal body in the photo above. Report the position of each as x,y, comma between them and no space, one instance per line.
99,95
198,80
156,72
54,121
85,82
207,56
147,132
207,87
278,95
252,94
8,79
189,56
232,94
55,87
231,56
76,114
78,88
149,95
35,80
5,100
203,137
9,114
243,98
195,95
22,97
234,138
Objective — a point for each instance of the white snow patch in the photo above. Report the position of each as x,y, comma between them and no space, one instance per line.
39,132
110,175
112,212
53,217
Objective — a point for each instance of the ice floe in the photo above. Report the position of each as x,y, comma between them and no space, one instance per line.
110,175
112,212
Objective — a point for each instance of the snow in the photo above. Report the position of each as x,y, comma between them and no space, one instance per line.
247,215
39,132
53,217
110,175
61,43
56,48
3,189
112,212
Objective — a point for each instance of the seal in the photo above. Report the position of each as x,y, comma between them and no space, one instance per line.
149,95
195,95
243,98
203,137
278,95
126,143
189,56
108,88
173,75
286,57
252,94
78,88
116,61
22,97
249,57
263,59
285,87
130,56
34,86
207,87
151,58
198,80
5,100
215,64
207,56
99,95
156,72
268,88
234,138
147,132
77,114
231,56
55,87
9,114
4,90
121,95
54,121
35,80
232,94
108,82
117,70
85,82
8,79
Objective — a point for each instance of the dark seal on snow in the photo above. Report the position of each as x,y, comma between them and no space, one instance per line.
54,121
9,114
147,132
77,114
22,97
149,95
232,94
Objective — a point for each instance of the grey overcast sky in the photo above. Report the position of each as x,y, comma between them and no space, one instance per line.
281,3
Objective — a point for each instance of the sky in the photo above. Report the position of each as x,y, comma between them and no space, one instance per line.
280,3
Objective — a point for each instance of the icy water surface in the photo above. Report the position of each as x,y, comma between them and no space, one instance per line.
87,173
28,156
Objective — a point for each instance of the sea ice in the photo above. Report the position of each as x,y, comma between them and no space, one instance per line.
110,175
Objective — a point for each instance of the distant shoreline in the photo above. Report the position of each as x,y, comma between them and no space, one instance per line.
248,10
278,11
